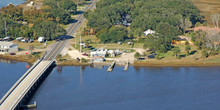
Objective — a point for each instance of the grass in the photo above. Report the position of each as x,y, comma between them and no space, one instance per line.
35,44
208,7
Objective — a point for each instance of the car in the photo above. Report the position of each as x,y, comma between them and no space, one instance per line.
31,40
24,40
85,54
151,56
57,40
12,53
141,58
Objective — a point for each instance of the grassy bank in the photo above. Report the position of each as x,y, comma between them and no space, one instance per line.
211,61
21,58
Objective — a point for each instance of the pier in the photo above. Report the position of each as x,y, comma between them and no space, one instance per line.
111,67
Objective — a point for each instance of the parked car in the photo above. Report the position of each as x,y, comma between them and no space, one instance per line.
85,54
24,40
12,53
141,58
151,56
31,40
19,39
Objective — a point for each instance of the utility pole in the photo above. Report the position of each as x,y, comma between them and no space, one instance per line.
80,49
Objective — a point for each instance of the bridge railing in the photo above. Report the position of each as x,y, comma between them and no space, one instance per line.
32,83
19,81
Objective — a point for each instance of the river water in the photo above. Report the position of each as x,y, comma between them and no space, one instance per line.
139,88
4,3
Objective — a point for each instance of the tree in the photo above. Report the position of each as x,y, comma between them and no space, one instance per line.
145,46
68,5
137,55
187,43
49,30
59,56
204,54
114,34
176,51
188,48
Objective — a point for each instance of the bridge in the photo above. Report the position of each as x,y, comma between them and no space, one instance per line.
19,93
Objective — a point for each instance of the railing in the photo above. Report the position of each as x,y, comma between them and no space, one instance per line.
32,83
21,79
18,82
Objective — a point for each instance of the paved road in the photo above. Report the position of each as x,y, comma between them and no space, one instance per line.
80,19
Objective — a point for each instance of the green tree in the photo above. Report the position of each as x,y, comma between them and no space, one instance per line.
68,5
188,48
49,30
176,51
204,54
187,43
137,55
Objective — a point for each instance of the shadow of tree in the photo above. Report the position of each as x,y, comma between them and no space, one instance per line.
193,52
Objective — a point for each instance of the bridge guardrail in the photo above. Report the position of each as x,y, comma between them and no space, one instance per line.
19,81
33,82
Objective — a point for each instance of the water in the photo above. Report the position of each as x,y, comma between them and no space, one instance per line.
140,88
9,73
4,3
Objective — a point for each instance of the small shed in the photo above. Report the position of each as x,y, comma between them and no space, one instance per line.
149,31
41,39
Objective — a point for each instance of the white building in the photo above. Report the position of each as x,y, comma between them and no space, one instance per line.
99,53
41,39
149,31
8,47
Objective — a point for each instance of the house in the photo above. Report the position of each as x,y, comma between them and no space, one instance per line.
41,39
8,47
98,53
149,31
30,4
112,53
97,59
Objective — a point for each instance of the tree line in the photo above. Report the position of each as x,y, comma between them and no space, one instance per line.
34,22
169,18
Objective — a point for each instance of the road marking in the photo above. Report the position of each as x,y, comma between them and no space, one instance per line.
82,15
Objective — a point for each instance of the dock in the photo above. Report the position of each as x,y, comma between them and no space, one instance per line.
126,66
111,67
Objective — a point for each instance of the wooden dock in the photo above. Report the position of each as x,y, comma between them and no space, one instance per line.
126,66
111,67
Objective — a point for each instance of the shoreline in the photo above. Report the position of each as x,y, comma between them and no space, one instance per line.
138,64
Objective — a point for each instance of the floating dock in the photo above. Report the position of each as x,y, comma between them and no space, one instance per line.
111,67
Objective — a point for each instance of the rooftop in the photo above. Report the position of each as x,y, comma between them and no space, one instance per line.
6,43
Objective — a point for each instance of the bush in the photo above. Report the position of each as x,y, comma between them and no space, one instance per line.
84,60
186,43
137,55
205,54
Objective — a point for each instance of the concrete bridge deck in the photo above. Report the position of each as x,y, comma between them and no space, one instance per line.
12,101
